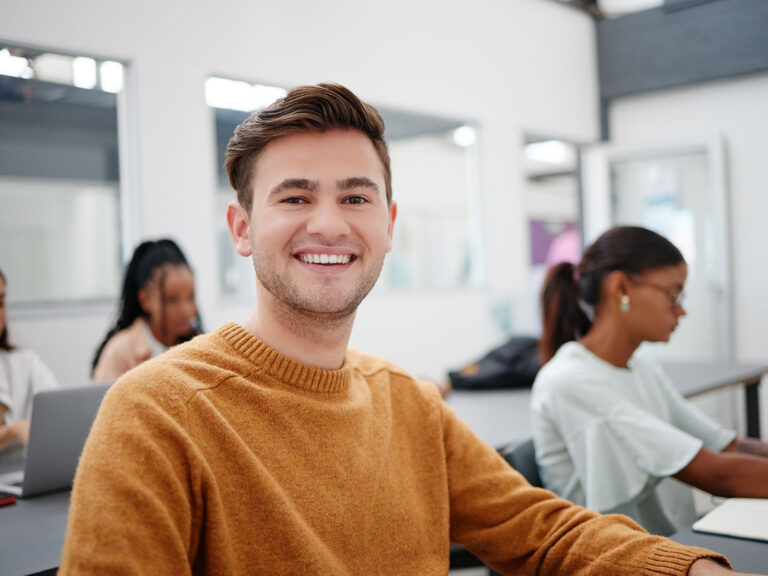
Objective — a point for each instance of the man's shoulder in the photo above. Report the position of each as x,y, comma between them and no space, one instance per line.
377,369
370,365
196,365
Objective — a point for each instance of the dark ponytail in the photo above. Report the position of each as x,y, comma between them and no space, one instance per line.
148,258
563,318
628,249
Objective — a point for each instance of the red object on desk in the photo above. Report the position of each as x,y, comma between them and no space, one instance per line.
7,499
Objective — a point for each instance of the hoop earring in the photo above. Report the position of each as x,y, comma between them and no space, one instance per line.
624,303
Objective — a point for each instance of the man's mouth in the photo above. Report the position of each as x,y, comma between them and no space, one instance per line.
328,259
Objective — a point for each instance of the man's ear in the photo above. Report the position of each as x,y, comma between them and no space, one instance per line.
391,226
239,230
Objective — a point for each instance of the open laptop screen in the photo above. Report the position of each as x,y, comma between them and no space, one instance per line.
61,421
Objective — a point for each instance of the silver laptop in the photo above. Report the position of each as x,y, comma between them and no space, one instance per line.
61,420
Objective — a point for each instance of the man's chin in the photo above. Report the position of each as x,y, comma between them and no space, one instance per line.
329,311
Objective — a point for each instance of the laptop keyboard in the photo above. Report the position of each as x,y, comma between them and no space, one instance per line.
12,478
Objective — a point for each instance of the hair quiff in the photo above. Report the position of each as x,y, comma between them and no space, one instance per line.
305,108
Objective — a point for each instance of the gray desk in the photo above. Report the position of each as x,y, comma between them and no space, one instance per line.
744,555
694,378
501,416
497,416
32,534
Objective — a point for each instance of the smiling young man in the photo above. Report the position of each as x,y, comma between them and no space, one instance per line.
271,448
318,223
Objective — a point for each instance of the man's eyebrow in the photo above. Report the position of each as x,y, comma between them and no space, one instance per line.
294,184
357,182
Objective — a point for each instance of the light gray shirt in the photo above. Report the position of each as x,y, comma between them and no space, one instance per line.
605,437
22,373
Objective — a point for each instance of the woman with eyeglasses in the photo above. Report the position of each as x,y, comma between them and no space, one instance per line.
608,426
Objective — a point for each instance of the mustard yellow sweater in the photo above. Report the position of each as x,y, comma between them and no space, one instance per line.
224,457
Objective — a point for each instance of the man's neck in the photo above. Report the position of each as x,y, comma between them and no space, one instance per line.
312,340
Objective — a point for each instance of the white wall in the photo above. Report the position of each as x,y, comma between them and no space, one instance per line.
527,65
736,110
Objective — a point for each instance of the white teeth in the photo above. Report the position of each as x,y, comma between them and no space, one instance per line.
325,258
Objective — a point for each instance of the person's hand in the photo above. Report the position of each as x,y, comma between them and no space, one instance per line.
7,437
707,567
16,432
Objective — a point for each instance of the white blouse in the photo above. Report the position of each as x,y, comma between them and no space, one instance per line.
605,436
22,373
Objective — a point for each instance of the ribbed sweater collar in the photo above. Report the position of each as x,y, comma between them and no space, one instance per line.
282,368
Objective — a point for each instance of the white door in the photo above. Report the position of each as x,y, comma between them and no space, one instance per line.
678,191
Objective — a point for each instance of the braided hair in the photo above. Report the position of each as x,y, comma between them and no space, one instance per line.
148,258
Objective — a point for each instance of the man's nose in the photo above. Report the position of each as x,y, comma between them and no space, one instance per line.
328,220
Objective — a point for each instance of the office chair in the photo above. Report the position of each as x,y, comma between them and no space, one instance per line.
522,457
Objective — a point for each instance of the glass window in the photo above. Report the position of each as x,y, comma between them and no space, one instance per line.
232,102
59,183
436,245
553,201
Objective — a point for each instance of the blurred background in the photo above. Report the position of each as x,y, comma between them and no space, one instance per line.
518,131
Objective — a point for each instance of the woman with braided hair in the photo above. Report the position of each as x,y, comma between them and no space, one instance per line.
157,310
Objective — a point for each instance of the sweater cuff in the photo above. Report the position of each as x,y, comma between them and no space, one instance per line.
673,559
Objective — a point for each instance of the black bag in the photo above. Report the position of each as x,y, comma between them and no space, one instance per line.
514,364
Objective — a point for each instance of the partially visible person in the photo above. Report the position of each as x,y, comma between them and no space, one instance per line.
22,373
157,310
608,425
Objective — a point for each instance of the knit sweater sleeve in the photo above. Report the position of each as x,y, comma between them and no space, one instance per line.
519,529
135,505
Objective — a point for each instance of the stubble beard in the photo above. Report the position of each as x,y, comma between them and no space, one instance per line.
303,309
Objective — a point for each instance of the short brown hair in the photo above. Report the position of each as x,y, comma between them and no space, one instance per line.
305,108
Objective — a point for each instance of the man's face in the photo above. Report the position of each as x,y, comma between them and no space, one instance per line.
319,225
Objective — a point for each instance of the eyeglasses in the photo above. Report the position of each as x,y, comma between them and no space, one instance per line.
675,298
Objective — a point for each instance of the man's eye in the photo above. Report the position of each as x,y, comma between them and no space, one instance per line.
293,200
355,200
